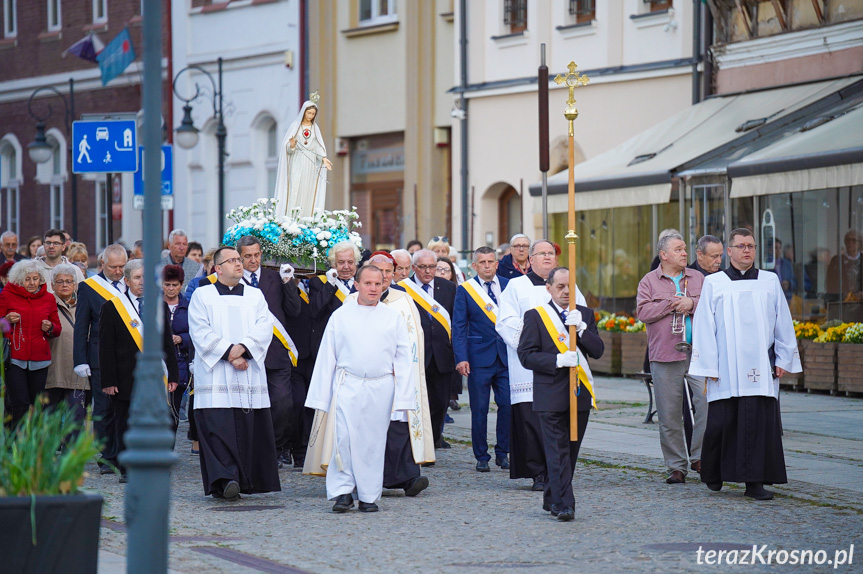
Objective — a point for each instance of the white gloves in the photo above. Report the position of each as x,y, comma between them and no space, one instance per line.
82,370
332,275
286,272
574,318
567,359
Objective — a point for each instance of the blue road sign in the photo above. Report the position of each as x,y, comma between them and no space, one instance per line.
167,179
105,146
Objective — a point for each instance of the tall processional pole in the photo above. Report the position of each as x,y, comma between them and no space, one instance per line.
572,79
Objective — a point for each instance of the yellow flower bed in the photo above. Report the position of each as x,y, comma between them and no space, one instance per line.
807,330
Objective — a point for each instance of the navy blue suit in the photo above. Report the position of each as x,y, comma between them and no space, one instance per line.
85,351
475,340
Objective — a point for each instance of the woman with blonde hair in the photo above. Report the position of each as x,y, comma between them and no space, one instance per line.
78,256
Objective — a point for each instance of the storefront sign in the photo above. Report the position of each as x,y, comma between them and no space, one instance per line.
382,160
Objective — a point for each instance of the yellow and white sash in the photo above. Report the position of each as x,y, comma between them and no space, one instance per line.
280,333
134,325
341,290
103,287
428,303
558,332
481,298
212,277
304,292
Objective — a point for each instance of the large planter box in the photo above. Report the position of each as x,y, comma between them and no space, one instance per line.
849,367
794,381
609,363
819,367
67,534
633,346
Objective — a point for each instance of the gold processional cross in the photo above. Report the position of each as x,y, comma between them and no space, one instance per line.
572,80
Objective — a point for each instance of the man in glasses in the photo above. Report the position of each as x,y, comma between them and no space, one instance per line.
527,456
54,244
517,262
743,341
232,328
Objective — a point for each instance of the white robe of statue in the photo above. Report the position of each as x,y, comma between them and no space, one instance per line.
519,296
362,374
301,180
734,325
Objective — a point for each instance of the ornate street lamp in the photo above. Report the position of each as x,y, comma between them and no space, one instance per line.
187,133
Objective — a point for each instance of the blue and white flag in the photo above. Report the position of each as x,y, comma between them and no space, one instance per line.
116,56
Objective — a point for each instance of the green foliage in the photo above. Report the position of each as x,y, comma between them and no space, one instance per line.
29,459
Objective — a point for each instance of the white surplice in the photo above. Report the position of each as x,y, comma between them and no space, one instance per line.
215,323
362,374
734,325
519,296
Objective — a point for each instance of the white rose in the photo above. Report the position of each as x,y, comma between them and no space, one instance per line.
323,243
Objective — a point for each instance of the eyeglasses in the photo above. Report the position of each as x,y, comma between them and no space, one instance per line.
64,282
231,260
519,246
544,254
443,270
52,243
745,247
443,238
425,267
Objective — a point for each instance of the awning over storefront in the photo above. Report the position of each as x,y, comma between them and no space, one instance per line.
817,156
639,171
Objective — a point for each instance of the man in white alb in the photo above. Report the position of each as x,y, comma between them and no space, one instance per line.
362,374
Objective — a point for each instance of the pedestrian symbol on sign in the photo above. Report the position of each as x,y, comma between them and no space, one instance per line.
83,150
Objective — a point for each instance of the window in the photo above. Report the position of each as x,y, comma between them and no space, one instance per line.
102,215
12,208
658,5
272,160
100,11
10,17
515,15
8,164
56,206
583,10
54,16
373,12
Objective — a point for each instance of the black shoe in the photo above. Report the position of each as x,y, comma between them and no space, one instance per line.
425,464
482,466
231,490
124,479
676,477
551,508
344,502
453,404
105,469
415,486
444,444
368,506
756,490
538,485
714,486
502,462
285,458
566,514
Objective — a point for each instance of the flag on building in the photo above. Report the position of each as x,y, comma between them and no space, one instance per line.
116,56
87,48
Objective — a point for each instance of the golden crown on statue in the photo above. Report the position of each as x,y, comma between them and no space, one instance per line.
314,97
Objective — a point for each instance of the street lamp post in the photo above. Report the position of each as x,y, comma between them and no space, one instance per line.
40,150
187,133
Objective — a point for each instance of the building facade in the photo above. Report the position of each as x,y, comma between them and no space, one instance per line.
383,69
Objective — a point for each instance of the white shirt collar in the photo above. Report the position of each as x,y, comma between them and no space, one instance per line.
495,280
248,274
420,283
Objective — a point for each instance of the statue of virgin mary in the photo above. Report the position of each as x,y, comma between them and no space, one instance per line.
301,181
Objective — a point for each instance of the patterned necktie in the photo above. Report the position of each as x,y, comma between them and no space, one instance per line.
488,285
141,306
116,285
563,315
254,280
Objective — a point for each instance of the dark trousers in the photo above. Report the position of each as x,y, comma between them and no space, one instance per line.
399,466
438,385
303,417
22,388
176,402
103,413
190,409
281,405
480,383
78,400
121,425
561,455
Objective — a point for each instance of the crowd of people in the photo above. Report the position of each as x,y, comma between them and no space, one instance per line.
350,374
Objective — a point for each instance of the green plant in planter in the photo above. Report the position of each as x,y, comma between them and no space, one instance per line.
29,461
854,334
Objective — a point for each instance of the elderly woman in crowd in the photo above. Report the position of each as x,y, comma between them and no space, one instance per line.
78,256
63,384
172,283
32,313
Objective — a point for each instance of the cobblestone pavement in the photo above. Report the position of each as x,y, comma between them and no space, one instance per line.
627,518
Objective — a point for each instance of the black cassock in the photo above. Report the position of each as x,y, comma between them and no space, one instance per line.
743,437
